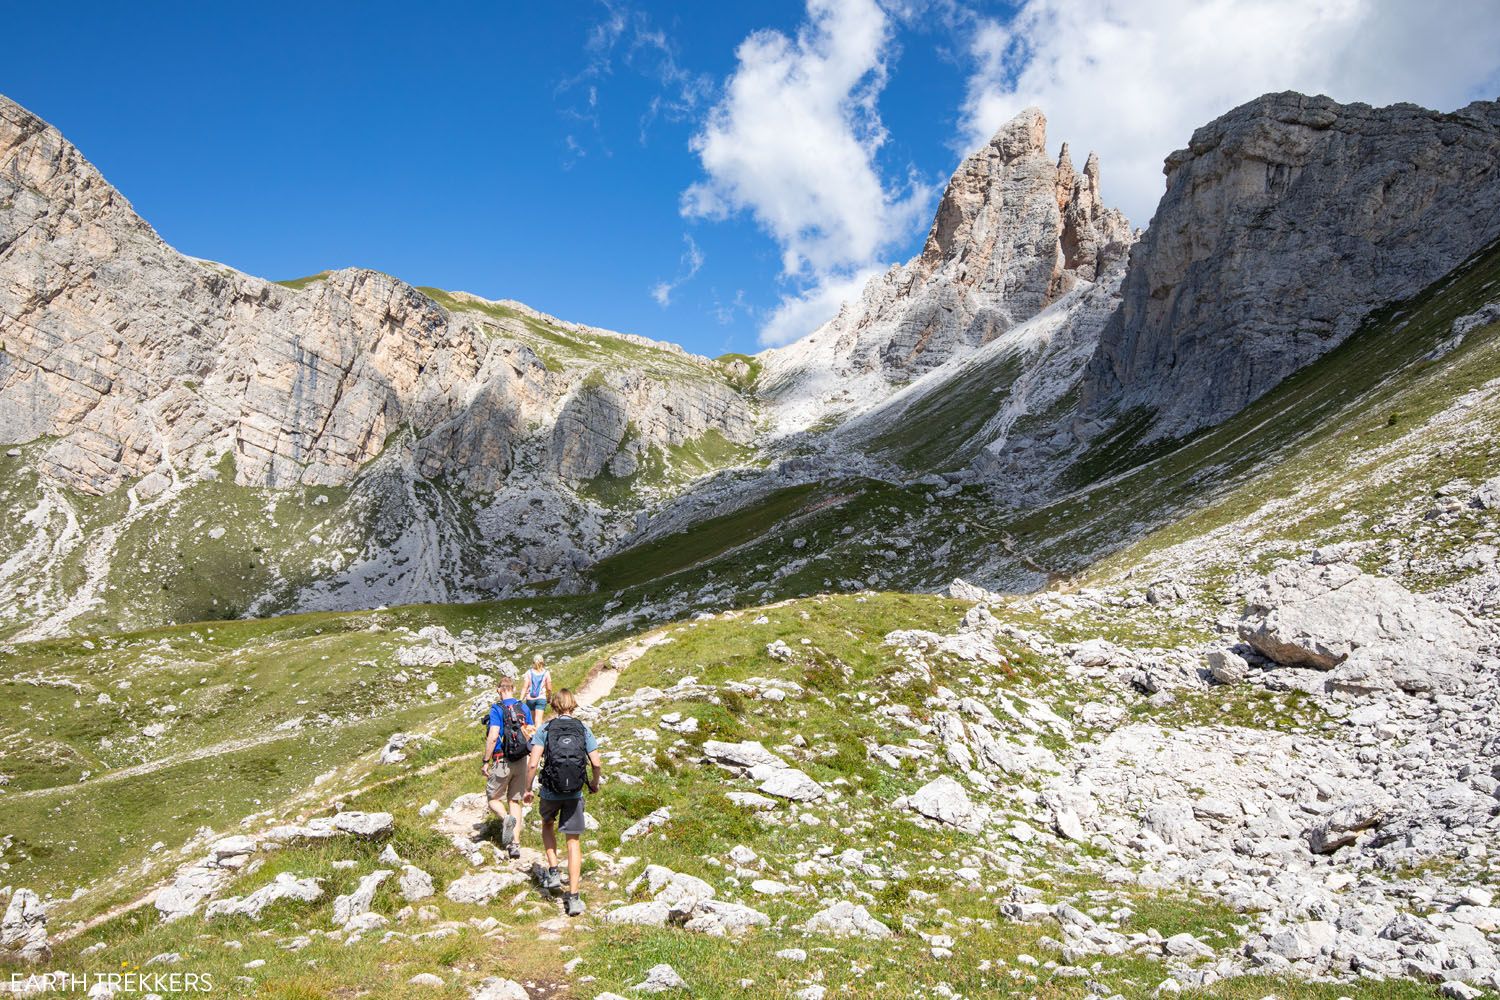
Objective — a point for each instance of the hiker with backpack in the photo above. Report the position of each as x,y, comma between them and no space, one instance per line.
507,745
562,747
538,685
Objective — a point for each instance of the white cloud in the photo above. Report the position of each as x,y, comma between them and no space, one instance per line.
796,316
1132,81
725,312
625,37
793,143
690,265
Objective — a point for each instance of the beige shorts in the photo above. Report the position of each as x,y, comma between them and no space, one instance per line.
507,780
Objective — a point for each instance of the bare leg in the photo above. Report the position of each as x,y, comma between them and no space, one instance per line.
549,842
518,810
575,862
497,806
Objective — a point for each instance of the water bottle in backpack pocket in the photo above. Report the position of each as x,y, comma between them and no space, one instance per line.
513,744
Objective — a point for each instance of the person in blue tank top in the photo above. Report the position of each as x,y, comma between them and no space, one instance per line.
536,689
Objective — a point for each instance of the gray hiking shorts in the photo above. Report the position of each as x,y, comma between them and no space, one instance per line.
568,813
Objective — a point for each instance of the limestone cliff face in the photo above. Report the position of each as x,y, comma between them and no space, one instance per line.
1015,230
1285,222
141,362
463,428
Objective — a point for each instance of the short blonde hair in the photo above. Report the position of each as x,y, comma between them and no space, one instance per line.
564,702
537,660
505,684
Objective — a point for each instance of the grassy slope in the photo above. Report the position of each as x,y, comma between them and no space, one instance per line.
937,431
252,712
842,663
1314,424
562,349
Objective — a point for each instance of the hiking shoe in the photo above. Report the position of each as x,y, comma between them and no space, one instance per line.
552,878
508,832
573,904
514,850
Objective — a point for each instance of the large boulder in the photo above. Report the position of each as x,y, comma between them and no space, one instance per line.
415,884
23,931
846,919
285,887
945,800
671,888
660,979
1370,631
192,885
495,988
787,783
358,902
481,887
1342,826
718,918
740,757
363,824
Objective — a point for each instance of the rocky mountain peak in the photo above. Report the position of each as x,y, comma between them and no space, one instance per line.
997,197
1284,224
1014,231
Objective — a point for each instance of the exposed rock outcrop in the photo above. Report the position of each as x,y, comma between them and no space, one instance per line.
1286,222
1370,632
23,930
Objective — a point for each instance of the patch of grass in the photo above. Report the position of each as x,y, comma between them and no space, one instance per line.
656,559
297,284
665,471
562,348
743,369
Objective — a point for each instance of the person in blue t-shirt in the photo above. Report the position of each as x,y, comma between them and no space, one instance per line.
561,790
506,778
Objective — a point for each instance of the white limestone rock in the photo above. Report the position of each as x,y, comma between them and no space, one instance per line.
1372,633
1284,223
415,884
660,979
23,929
362,824
482,887
346,908
946,801
285,887
845,919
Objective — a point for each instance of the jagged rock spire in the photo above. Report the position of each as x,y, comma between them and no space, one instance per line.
1019,225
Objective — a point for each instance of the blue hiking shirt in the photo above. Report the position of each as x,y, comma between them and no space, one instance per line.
497,713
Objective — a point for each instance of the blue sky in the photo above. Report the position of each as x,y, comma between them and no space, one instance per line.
719,175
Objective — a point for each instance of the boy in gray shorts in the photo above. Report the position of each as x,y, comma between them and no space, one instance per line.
568,746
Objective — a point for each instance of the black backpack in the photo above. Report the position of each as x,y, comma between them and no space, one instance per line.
513,744
566,756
